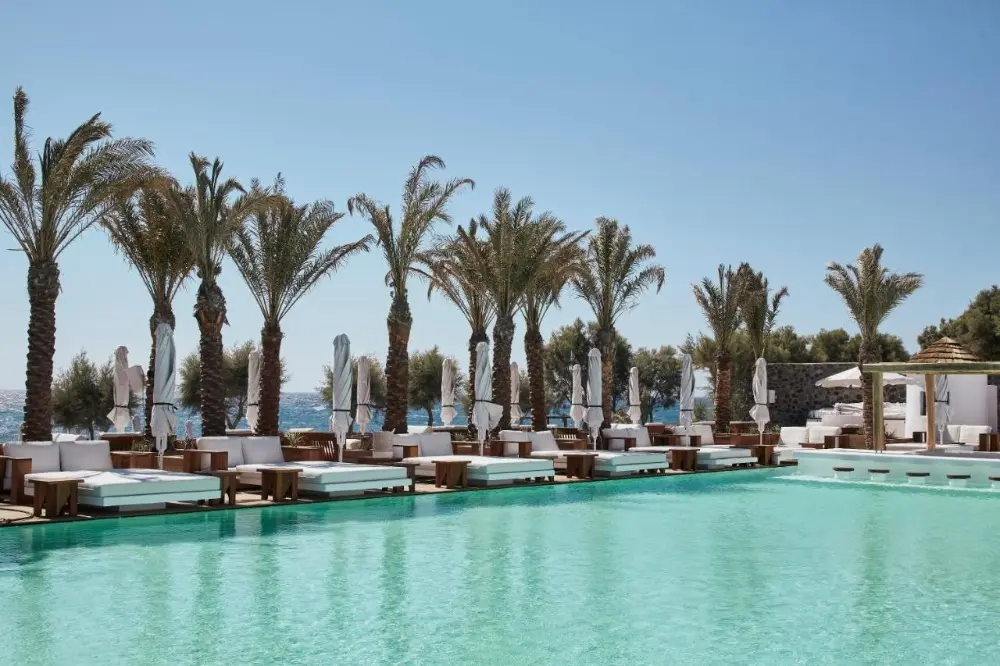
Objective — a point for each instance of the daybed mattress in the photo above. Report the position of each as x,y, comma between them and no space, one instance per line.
484,467
325,473
132,482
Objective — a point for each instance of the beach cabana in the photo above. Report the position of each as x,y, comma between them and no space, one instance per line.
944,357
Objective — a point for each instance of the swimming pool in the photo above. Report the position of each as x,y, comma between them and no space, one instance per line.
741,567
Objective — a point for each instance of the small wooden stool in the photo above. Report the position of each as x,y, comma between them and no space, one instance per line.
411,474
580,464
54,495
451,473
279,483
227,485
684,458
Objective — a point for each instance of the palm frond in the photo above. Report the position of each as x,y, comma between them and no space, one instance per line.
720,303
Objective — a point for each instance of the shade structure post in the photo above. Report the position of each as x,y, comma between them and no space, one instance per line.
878,409
929,402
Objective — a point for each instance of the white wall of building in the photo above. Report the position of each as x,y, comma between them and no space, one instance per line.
973,402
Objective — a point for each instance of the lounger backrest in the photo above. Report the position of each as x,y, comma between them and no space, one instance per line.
543,441
382,444
511,438
969,434
818,434
84,455
66,437
435,444
793,436
705,431
231,445
261,451
613,438
398,441
44,456
641,436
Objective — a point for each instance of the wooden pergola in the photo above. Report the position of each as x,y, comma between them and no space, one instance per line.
944,357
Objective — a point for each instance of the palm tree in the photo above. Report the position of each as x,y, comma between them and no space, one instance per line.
425,202
452,270
758,307
870,293
209,220
82,177
278,253
565,262
720,303
153,241
615,274
510,260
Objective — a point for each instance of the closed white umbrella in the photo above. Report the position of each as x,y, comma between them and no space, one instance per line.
595,411
364,396
340,421
163,422
759,412
120,415
448,411
634,404
942,404
189,429
852,379
253,389
515,394
576,410
687,391
485,413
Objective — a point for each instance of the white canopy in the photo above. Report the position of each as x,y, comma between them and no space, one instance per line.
576,410
253,389
852,379
485,413
515,393
942,402
687,391
634,404
340,421
163,421
760,412
448,411
364,394
127,381
595,411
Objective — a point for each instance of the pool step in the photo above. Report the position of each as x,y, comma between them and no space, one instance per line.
842,472
879,474
958,480
917,478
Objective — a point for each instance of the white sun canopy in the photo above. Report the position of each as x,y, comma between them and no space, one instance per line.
163,422
595,411
485,413
448,411
340,420
576,409
253,389
687,391
515,393
634,404
852,379
364,394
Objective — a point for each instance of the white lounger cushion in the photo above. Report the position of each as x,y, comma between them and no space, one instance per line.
261,451
969,434
513,437
231,445
818,434
707,438
398,441
542,441
44,455
133,482
435,444
720,452
318,473
382,444
790,436
485,465
612,459
615,434
94,455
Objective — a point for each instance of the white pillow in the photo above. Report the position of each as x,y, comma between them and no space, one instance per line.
705,430
641,436
969,434
791,436
435,444
818,434
231,445
512,437
543,441
84,455
382,444
261,451
613,436
44,455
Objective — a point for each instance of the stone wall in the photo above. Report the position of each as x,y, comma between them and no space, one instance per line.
796,393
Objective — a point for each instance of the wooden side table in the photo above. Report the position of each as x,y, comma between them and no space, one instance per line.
54,495
410,450
451,473
684,458
279,483
580,464
194,460
228,480
411,474
764,453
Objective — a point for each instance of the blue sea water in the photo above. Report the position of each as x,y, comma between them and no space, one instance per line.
298,410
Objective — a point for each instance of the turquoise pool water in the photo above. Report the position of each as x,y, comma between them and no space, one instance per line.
707,569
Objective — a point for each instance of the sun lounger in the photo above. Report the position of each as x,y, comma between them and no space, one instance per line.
482,470
608,463
709,456
248,454
102,485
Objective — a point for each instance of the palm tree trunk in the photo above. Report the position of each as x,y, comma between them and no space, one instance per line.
270,379
43,289
867,390
163,313
534,346
210,311
503,340
397,365
606,340
723,385
478,335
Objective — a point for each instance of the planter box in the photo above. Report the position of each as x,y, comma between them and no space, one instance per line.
302,453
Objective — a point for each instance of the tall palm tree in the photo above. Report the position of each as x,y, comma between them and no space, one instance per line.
81,178
565,262
615,274
870,293
425,202
153,241
452,270
720,303
758,307
278,253
210,216
510,259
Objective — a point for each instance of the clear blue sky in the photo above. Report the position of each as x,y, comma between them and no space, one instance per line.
785,133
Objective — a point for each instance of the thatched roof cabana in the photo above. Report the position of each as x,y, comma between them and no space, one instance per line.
944,357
